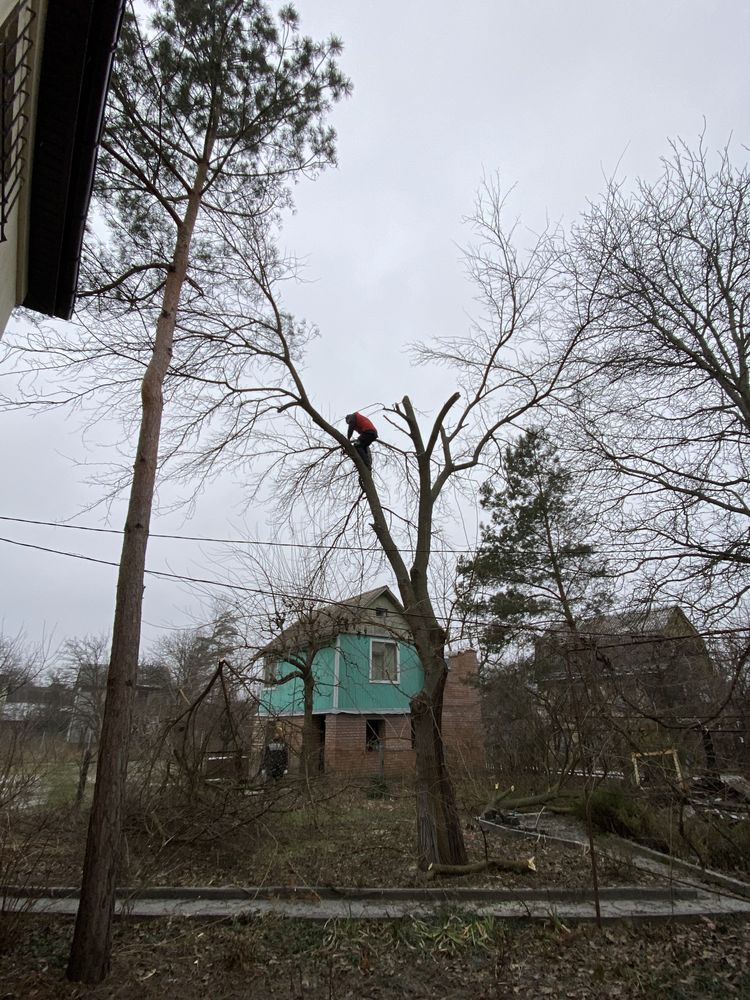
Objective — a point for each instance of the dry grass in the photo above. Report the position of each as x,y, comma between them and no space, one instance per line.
340,836
448,957
337,836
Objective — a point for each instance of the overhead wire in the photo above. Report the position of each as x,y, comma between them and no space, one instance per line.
535,630
628,548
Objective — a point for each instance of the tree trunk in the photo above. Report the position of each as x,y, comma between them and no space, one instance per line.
90,950
439,835
491,864
83,773
89,956
310,739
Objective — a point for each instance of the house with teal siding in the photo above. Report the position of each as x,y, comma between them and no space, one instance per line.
363,670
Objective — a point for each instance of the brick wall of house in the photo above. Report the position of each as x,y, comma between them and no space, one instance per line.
346,749
463,731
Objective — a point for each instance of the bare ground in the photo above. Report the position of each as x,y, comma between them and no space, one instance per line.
343,839
449,957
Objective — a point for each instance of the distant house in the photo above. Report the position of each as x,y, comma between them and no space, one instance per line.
652,659
43,709
151,703
366,669
56,61
640,680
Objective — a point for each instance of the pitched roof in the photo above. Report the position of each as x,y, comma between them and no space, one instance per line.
325,621
636,621
368,597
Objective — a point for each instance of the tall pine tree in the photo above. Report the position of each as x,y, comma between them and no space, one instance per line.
536,565
216,106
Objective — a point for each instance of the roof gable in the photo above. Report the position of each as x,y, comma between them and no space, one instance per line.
320,625
657,621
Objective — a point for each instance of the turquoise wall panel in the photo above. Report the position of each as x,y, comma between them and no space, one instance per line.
356,692
288,698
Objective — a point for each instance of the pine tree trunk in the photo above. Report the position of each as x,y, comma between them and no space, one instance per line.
90,950
89,957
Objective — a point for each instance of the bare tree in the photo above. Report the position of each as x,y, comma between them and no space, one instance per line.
660,274
86,673
501,371
189,656
20,664
201,697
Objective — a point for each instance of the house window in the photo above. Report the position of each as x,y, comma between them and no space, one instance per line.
383,661
15,72
270,669
374,734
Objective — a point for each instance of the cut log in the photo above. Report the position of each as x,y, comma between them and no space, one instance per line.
524,802
490,865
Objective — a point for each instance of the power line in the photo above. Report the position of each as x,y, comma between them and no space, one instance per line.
539,629
200,538
628,549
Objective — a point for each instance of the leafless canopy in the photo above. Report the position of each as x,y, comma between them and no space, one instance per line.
660,279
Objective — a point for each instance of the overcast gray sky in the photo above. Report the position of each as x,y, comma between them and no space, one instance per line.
554,96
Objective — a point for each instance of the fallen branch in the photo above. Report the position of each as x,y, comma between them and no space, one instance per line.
491,864
540,799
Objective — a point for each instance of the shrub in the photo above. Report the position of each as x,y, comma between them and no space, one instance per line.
614,811
377,787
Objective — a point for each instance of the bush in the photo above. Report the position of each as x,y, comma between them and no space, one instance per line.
377,787
614,811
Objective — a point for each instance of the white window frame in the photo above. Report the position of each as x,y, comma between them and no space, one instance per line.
389,642
271,663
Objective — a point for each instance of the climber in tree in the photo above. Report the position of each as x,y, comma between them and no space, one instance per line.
367,434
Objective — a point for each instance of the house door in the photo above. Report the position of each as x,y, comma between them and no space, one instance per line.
320,740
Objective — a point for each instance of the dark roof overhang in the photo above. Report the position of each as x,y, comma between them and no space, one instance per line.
79,41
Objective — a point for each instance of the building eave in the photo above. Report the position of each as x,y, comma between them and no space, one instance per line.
80,37
266,713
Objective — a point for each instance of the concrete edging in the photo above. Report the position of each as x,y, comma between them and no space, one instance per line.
617,847
627,848
304,894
